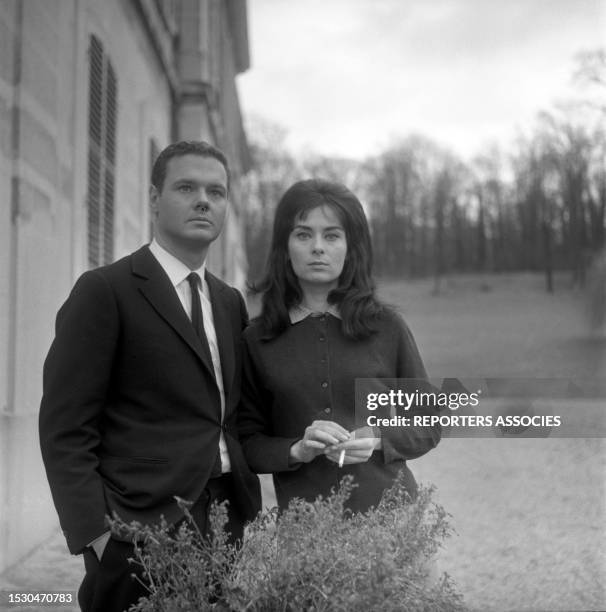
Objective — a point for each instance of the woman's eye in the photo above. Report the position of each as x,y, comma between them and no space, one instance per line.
302,235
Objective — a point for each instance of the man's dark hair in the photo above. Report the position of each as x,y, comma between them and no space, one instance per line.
185,147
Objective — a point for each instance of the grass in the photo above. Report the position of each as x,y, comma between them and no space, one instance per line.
504,325
530,513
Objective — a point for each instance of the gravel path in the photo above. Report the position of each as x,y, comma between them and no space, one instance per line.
530,513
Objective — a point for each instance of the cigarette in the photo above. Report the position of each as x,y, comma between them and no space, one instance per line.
342,453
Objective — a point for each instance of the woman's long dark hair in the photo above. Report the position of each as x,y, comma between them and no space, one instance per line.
355,293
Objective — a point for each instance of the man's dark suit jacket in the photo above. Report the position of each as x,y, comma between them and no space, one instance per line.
130,414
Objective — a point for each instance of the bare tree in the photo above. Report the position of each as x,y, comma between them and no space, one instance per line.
274,169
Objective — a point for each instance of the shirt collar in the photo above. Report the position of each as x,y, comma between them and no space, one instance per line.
176,270
298,313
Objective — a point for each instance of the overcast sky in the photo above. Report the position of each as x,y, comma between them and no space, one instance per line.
348,76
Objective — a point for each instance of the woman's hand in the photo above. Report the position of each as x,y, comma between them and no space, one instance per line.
357,450
318,436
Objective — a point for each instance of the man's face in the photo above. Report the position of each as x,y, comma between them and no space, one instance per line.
190,210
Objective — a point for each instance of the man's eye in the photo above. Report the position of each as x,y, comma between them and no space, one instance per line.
216,193
185,188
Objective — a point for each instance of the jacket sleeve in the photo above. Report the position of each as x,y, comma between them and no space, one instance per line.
412,441
76,376
264,452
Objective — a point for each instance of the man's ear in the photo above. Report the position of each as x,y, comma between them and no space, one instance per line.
154,195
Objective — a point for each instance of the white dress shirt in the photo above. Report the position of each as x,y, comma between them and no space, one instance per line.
178,272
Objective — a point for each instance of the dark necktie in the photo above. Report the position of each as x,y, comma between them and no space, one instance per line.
198,324
196,307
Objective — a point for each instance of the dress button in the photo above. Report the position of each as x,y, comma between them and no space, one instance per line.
324,385
327,410
322,338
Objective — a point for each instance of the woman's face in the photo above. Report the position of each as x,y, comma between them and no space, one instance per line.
317,247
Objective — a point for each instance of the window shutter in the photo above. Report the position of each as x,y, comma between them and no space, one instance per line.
102,120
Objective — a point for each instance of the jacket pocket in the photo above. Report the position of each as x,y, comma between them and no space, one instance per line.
105,458
141,480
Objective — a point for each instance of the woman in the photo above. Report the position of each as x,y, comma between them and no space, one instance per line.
320,328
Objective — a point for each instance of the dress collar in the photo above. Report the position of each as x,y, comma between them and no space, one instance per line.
298,313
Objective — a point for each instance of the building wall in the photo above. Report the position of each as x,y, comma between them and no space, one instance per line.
44,81
7,18
215,52
36,179
231,248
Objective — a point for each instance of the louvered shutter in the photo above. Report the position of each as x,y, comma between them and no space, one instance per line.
103,94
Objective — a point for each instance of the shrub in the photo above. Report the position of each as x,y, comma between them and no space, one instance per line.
313,557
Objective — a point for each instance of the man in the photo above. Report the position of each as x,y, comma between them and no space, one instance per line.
142,381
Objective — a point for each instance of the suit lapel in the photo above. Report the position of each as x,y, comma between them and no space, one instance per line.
157,289
223,329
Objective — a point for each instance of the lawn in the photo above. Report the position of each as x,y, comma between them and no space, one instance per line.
530,514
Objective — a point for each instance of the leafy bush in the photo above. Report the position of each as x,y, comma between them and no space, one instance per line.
312,557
